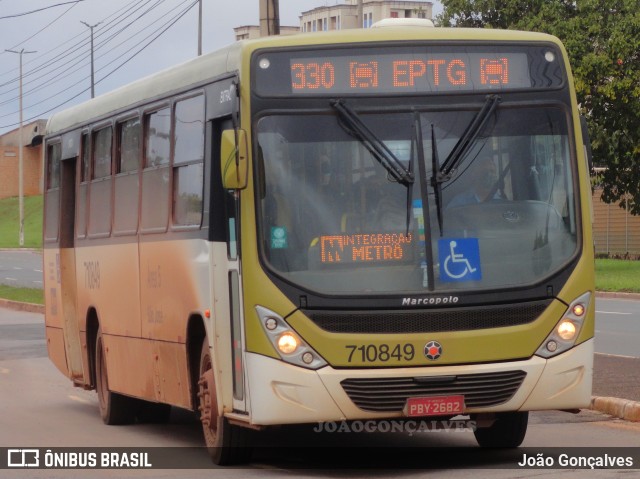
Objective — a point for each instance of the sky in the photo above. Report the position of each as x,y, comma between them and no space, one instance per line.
132,39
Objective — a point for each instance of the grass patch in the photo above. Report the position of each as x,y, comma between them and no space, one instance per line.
23,295
618,275
10,222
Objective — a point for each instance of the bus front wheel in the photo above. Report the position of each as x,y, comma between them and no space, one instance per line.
114,408
227,444
508,430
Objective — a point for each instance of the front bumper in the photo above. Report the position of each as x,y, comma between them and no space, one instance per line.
284,394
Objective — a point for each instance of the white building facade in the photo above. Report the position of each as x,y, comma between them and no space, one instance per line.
344,16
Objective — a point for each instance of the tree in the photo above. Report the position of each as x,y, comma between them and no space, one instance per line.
602,38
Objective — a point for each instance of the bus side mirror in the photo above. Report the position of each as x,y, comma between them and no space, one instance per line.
234,159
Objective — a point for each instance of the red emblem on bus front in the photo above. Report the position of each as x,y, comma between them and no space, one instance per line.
433,350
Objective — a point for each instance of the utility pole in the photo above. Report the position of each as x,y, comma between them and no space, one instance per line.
269,18
93,83
20,161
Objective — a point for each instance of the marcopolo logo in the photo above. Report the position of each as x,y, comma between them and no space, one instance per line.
429,300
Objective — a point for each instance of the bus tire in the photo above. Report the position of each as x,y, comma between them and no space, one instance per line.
115,409
507,431
227,444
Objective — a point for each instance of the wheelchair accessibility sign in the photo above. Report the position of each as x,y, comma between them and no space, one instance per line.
459,259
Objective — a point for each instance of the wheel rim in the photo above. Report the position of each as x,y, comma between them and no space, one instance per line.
208,404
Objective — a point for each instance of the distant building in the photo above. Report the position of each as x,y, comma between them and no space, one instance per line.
31,157
345,16
253,31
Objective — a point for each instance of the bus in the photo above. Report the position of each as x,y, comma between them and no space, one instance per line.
381,224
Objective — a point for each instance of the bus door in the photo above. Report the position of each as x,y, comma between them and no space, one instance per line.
71,331
222,104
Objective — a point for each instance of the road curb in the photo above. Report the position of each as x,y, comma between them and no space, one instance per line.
18,306
620,408
617,295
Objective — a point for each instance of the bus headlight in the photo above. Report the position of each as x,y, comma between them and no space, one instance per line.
287,343
565,333
566,330
290,347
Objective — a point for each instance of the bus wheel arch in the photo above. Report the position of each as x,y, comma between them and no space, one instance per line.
227,444
115,408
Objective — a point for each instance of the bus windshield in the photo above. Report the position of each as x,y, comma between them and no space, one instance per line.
334,220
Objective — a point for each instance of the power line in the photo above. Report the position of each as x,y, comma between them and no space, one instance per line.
71,58
78,61
45,27
75,47
153,37
39,10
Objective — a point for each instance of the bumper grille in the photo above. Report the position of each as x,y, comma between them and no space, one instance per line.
428,321
390,394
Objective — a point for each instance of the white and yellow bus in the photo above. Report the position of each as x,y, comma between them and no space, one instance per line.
364,224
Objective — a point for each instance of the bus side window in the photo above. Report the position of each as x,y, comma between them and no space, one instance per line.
155,176
100,189
52,194
125,215
83,190
188,161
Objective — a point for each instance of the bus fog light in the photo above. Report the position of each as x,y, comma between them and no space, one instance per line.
566,330
287,343
578,309
307,358
552,346
271,324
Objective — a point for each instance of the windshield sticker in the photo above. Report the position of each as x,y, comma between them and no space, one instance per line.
459,259
279,237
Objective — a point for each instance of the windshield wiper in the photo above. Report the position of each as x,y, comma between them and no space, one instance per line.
424,198
467,139
353,125
435,183
459,152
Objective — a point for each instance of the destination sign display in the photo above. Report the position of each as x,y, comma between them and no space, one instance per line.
408,73
365,248
401,70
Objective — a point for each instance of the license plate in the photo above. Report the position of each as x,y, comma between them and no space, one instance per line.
434,406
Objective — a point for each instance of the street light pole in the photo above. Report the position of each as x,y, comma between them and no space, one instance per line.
20,161
91,27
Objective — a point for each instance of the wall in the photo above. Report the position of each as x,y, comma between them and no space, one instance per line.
615,231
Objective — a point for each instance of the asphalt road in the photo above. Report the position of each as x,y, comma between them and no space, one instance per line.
40,408
21,269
